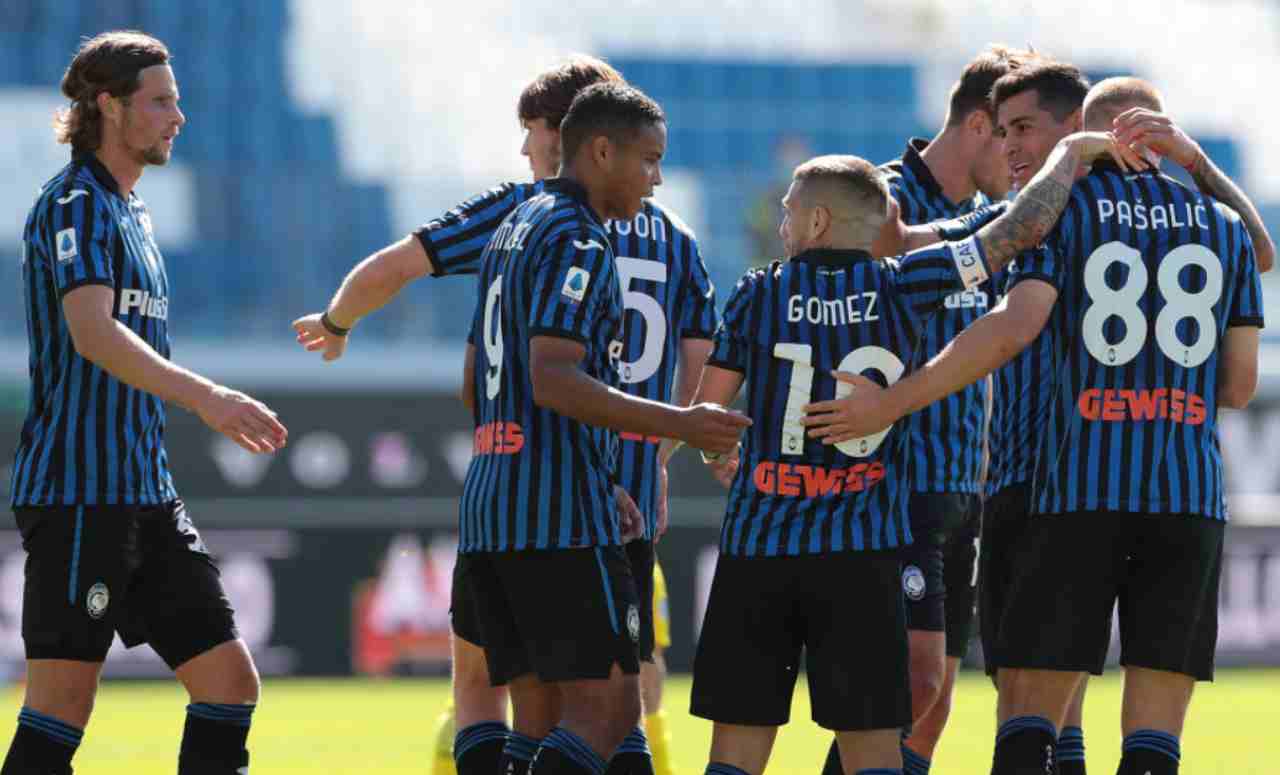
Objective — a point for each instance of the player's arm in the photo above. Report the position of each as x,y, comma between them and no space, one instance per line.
951,229
1238,367
693,356
560,384
720,386
1158,132
101,339
984,346
468,394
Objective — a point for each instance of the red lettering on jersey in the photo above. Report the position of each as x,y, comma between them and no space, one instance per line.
628,436
788,482
1127,405
498,438
764,478
820,481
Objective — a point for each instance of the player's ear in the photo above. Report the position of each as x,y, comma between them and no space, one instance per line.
602,151
1075,121
978,122
109,106
819,220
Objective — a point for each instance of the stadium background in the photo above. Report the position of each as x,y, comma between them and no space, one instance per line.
320,130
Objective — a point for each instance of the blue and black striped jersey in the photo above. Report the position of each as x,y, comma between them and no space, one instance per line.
666,296
539,479
1150,275
946,437
786,327
89,439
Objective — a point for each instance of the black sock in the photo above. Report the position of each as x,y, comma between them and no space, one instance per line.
1070,753
564,753
477,749
832,766
632,757
1025,746
213,740
42,745
1150,752
517,754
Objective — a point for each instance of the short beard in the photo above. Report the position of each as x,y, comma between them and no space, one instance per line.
155,155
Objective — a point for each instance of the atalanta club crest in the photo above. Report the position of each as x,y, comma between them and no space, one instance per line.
633,623
913,584
97,600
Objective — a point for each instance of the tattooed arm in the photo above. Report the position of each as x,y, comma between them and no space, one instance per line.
1158,132
995,338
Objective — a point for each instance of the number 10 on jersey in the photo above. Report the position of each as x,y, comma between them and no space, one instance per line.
800,392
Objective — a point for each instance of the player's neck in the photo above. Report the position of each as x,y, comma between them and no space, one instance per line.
948,161
595,195
122,167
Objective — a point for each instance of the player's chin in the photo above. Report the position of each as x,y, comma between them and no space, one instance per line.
157,155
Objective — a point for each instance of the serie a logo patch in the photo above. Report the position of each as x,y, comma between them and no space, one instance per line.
575,283
66,242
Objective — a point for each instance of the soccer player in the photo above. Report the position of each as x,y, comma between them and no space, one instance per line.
806,523
672,315
1154,295
958,171
537,519
110,546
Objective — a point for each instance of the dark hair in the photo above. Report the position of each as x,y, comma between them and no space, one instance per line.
973,90
857,182
1060,87
613,109
112,63
552,92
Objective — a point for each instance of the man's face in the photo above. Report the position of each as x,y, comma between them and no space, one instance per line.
150,118
1028,134
542,146
636,169
797,217
990,170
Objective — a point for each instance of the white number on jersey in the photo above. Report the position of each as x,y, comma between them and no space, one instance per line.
492,335
655,321
801,389
1123,303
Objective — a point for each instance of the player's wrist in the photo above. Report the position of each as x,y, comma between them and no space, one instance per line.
1192,164
333,326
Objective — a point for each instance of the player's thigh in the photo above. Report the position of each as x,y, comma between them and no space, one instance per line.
576,612
960,579
176,600
464,616
1169,603
640,555
856,642
1004,523
748,654
79,564
1067,575
923,584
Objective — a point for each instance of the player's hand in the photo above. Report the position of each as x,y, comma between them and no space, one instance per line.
245,420
313,336
1147,128
1094,145
630,520
712,428
861,413
724,468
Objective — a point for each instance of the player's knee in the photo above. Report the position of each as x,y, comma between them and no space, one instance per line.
242,685
926,685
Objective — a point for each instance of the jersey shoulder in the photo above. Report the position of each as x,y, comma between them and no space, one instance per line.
657,209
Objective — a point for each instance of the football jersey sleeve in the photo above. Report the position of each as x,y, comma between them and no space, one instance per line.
731,345
1246,301
574,278
456,240
700,318
77,240
924,278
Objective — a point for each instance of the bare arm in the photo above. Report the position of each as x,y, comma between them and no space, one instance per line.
1238,367
1158,132
559,384
368,287
693,357
1035,211
719,386
101,339
987,344
1216,184
468,395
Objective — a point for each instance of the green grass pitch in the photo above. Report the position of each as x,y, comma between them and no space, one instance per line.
370,726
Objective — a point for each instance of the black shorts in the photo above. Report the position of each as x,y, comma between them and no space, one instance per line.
562,614
140,571
641,556
844,610
1004,525
939,569
463,616
1073,570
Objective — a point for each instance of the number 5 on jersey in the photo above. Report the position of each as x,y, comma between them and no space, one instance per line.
801,389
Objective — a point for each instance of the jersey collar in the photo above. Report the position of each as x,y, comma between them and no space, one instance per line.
913,161
1107,164
99,170
572,189
833,257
